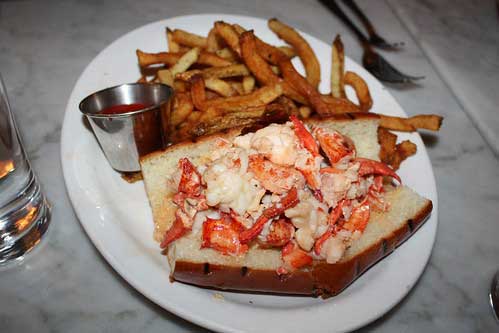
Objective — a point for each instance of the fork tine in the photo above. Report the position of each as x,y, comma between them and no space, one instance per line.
384,71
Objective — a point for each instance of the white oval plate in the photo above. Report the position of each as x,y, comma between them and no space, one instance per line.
117,218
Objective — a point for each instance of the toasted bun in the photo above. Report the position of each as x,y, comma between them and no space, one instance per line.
256,270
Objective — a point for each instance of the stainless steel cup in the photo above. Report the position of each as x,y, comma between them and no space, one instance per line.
125,137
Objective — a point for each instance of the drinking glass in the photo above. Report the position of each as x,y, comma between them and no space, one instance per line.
24,211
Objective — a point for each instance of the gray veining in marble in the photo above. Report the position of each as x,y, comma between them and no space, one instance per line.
67,286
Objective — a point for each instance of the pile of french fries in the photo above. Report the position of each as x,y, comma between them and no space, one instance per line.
233,78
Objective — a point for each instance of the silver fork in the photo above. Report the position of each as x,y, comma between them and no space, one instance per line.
371,60
374,39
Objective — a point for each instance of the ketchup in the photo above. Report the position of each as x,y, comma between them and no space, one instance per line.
124,108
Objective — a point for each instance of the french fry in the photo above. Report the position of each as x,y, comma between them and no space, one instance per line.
167,76
209,114
340,105
211,59
212,124
226,54
268,52
197,91
337,69
303,49
305,111
238,29
260,68
248,84
387,142
259,97
182,108
300,84
170,59
287,104
255,63
183,37
147,59
237,86
402,151
143,79
172,45
221,87
288,51
216,72
229,35
180,86
361,90
213,43
428,121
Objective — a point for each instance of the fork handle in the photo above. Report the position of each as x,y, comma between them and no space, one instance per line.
360,14
333,6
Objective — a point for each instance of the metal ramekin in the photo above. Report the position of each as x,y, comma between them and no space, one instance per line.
125,137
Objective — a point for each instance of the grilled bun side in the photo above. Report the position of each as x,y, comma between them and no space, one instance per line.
256,272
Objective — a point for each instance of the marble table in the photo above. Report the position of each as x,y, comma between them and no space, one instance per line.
67,286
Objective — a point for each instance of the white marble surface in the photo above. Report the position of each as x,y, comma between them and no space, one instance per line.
67,286
461,39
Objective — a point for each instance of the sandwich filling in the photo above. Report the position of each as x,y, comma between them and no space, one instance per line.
303,191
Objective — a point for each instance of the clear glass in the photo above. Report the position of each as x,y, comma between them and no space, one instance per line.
24,211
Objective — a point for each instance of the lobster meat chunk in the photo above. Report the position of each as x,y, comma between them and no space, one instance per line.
223,235
293,258
288,201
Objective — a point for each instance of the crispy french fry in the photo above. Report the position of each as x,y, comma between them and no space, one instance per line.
303,49
361,90
170,59
183,37
260,68
300,84
239,29
197,91
143,79
229,35
402,151
259,97
182,108
167,76
268,52
147,59
387,142
211,59
226,54
213,43
305,111
216,72
172,45
338,69
340,105
237,86
209,114
221,87
180,86
248,84
194,117
288,51
427,121
255,63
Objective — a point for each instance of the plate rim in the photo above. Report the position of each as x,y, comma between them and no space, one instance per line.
203,321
